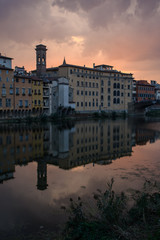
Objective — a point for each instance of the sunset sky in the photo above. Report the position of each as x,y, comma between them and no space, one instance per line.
121,33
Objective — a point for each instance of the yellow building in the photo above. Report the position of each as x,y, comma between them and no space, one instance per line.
37,95
6,91
22,95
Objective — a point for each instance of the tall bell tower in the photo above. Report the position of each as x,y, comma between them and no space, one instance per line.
41,60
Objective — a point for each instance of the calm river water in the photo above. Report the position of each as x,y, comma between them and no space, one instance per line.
42,166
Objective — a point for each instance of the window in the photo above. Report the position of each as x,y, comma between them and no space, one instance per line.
114,100
86,93
0,71
114,85
23,80
86,84
109,98
23,91
3,92
39,102
81,93
114,93
109,83
109,90
118,100
77,83
35,102
29,91
89,104
128,94
96,85
101,90
77,92
93,84
89,93
7,71
118,85
77,104
7,79
82,84
128,86
102,82
118,93
89,84
122,86
20,103
93,93
17,80
122,94
11,91
17,91
96,93
0,102
0,79
101,97
85,104
26,103
81,104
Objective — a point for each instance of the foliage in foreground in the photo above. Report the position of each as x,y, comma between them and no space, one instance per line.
111,217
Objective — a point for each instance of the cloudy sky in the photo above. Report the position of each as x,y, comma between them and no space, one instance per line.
122,33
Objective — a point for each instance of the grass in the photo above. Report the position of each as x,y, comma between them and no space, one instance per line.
111,218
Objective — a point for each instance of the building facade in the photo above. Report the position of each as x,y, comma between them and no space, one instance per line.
144,91
37,95
97,89
22,95
6,86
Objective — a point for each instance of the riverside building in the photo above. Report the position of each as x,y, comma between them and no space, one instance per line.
100,88
6,86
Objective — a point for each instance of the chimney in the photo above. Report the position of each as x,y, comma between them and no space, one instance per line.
93,65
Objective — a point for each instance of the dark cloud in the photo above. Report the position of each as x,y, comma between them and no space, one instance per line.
100,13
29,21
76,5
147,8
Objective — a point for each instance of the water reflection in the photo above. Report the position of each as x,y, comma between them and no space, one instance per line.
68,145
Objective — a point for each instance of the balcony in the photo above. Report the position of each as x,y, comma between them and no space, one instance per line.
3,94
21,106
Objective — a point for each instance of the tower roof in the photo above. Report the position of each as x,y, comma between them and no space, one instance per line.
64,61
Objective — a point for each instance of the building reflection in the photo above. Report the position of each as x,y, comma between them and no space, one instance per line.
68,145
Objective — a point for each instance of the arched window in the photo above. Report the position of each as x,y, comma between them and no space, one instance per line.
114,100
114,93
118,100
118,85
118,93
114,85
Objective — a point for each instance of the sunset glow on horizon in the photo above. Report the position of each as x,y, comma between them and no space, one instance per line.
124,33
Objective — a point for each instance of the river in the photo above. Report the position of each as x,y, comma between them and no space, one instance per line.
43,165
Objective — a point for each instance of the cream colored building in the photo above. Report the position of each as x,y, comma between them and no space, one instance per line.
97,89
100,88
